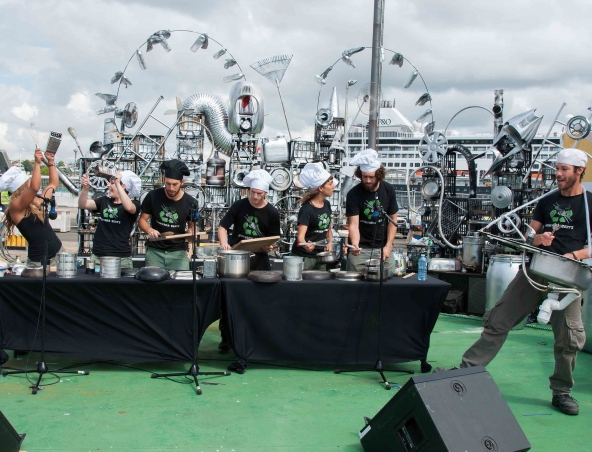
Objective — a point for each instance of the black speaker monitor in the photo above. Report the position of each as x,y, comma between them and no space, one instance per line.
457,410
10,440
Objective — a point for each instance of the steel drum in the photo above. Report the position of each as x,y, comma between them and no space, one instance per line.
501,271
66,265
110,267
587,318
293,267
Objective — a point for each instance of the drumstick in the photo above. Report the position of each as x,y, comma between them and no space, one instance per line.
408,275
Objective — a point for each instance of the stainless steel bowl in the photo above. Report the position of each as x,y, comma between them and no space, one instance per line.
561,270
327,257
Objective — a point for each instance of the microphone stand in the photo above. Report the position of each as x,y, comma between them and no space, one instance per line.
42,367
378,367
193,371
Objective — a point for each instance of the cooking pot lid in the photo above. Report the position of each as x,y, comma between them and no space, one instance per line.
348,276
282,179
317,275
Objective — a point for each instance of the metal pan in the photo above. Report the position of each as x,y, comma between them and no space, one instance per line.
347,276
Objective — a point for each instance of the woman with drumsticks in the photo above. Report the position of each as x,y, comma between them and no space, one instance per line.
25,209
314,216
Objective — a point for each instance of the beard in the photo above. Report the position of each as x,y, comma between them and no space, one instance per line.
569,182
372,187
172,194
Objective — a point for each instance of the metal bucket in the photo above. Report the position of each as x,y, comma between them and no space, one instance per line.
233,263
275,150
110,267
472,251
501,271
587,318
66,265
293,267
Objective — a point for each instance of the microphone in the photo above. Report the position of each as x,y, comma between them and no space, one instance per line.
52,203
52,212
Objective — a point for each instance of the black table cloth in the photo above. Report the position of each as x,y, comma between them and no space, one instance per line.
98,318
332,322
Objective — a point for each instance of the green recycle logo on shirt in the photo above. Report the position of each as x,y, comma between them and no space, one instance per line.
370,208
168,215
109,212
251,226
561,215
324,221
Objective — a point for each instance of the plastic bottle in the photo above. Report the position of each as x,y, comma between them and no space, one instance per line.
422,266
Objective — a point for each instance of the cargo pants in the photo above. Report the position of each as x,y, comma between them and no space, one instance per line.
517,301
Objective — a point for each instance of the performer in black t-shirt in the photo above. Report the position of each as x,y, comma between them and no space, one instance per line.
560,222
363,206
314,217
25,209
117,216
169,210
251,218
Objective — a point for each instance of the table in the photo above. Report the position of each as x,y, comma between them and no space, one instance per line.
332,322
106,319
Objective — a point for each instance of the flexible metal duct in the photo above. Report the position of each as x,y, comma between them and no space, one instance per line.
65,180
216,118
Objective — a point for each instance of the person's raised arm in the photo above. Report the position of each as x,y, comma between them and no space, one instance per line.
83,201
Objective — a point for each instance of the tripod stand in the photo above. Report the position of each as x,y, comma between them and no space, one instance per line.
193,371
42,367
378,366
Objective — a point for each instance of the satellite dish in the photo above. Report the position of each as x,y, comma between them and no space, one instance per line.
364,98
324,117
129,116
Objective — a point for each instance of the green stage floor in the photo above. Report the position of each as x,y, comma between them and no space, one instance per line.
273,407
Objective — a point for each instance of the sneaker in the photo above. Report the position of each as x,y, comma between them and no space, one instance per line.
566,404
443,369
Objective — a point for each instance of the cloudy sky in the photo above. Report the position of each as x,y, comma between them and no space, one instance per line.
56,54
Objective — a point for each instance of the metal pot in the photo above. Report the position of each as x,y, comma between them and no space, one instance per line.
561,270
372,271
327,257
233,263
472,251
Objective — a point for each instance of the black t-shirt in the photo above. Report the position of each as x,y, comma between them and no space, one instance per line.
112,237
168,215
250,222
569,213
318,222
33,231
363,203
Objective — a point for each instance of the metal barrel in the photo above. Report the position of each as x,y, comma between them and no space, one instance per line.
501,271
66,265
293,267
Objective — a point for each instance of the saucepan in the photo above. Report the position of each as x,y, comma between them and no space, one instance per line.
327,257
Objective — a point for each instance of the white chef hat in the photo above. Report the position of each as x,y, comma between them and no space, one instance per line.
367,160
259,179
133,184
314,175
12,179
573,157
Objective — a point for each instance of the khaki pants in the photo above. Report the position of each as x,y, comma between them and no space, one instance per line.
171,260
358,263
126,262
519,299
310,263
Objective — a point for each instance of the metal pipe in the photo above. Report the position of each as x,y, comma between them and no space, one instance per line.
376,73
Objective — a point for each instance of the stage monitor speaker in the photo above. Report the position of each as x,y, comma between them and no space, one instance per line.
10,440
456,410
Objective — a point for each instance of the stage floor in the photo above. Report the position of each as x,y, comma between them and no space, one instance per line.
274,406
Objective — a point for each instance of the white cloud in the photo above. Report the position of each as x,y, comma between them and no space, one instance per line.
25,111
4,143
79,102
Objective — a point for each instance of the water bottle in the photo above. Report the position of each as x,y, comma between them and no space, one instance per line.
422,266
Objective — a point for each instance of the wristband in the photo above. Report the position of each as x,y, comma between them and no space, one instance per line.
53,164
574,255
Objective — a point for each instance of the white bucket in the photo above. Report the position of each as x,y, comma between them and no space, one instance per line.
110,267
66,265
293,267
